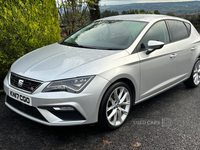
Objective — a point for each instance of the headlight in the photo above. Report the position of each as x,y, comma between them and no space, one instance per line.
74,85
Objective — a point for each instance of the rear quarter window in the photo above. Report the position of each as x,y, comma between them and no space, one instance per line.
188,27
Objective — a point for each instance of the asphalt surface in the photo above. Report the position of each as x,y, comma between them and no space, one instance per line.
170,120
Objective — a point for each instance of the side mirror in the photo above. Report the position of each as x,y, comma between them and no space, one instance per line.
153,45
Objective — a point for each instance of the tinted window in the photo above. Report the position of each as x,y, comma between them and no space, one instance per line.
188,27
157,32
178,30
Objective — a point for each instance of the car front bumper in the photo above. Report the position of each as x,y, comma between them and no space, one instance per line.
45,106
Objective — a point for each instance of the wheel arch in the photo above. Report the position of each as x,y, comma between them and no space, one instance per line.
198,57
129,74
131,86
121,78
195,59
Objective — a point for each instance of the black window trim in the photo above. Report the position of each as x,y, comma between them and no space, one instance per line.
171,36
189,30
137,48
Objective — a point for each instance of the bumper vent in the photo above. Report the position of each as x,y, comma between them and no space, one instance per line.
29,110
26,84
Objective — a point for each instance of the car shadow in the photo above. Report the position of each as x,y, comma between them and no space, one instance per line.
142,111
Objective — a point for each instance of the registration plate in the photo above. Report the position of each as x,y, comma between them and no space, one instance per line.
20,97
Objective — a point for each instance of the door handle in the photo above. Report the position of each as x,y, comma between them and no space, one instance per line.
193,48
173,55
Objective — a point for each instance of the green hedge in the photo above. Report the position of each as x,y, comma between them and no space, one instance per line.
24,26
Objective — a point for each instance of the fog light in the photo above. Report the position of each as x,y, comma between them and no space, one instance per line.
63,108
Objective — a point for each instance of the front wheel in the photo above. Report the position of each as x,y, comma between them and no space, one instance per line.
194,79
115,106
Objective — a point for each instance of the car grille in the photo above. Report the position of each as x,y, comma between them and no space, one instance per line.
29,110
26,84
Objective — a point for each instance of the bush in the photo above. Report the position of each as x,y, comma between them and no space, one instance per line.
24,26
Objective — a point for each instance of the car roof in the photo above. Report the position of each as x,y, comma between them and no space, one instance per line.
142,17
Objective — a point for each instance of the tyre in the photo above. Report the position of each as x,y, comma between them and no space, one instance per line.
115,106
194,78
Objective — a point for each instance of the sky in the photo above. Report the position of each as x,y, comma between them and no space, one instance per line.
118,2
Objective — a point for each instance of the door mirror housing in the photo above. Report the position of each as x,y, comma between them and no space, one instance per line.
153,45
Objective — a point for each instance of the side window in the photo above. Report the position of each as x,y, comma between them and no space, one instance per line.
178,30
157,32
188,27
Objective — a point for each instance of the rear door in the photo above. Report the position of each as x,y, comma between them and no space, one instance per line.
180,32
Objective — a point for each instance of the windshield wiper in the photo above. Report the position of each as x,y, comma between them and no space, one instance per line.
100,48
113,49
76,45
84,46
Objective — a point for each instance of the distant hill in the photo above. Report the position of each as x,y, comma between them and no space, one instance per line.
178,8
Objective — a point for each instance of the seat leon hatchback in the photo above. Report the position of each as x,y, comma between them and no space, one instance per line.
100,71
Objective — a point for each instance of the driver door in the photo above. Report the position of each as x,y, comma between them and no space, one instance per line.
158,69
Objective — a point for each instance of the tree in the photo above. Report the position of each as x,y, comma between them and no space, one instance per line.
94,9
156,12
170,14
73,15
25,25
198,18
125,12
149,12
142,11
114,13
107,13
132,11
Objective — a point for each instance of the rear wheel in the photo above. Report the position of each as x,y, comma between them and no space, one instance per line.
115,106
194,79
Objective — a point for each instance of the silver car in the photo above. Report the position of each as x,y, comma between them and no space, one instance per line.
99,72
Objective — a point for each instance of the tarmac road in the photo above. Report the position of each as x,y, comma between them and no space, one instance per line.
170,120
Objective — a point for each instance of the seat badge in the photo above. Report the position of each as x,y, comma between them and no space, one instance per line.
20,83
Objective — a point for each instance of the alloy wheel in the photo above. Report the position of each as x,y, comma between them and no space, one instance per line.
118,106
196,73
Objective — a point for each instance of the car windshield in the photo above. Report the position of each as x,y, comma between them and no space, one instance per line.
110,35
